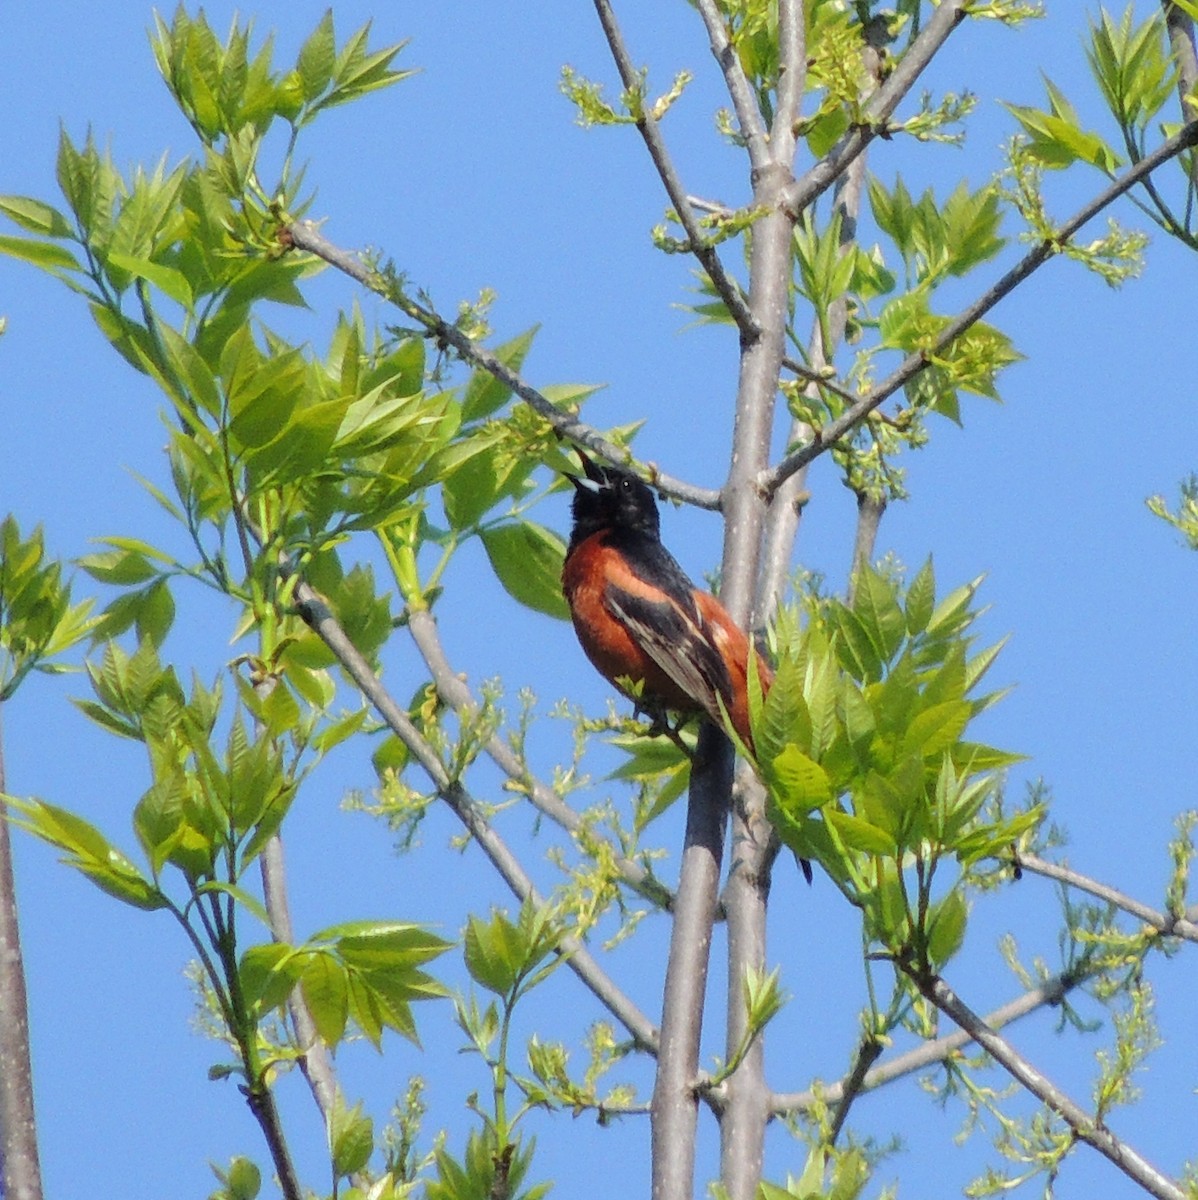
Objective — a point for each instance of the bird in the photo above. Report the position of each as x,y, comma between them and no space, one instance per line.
643,624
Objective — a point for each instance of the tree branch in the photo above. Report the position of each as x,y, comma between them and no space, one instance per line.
1050,992
740,90
674,1109
317,615
792,73
20,1169
1166,924
729,290
306,236
1085,1127
261,1101
1031,262
869,517
782,522
868,1050
1181,38
454,690
743,1119
746,894
878,110
314,1061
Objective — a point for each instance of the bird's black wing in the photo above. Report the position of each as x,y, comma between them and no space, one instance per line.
675,637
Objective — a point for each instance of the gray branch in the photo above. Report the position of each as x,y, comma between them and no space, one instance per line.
879,109
674,1108
1085,1127
320,619
20,1170
455,691
831,433
727,287
306,236
1166,924
744,102
928,1054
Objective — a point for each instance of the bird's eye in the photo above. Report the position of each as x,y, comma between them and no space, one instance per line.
626,486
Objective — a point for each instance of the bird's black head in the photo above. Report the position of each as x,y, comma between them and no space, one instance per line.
610,498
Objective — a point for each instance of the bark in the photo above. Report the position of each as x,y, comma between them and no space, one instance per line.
21,1170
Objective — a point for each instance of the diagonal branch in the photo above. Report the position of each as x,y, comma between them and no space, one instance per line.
454,690
927,1054
305,236
878,110
831,433
1085,1127
740,90
1166,924
700,246
317,615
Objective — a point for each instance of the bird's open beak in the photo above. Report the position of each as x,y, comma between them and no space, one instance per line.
595,478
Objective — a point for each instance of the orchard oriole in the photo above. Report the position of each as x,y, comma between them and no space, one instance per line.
639,618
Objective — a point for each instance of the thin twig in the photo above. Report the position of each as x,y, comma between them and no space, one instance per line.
1084,1126
306,236
822,379
782,521
1031,262
727,287
320,619
1164,923
867,1054
261,1103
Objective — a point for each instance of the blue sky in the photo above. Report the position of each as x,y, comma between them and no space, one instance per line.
472,174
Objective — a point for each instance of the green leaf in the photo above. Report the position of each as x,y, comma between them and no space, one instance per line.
921,599
317,57
784,717
36,216
952,614
946,927
495,953
168,280
351,1136
267,973
1056,141
799,784
249,902
243,1180
122,566
936,729
48,255
876,605
858,834
527,558
384,943
327,994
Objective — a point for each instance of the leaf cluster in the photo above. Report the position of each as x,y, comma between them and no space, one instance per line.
38,622
862,743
